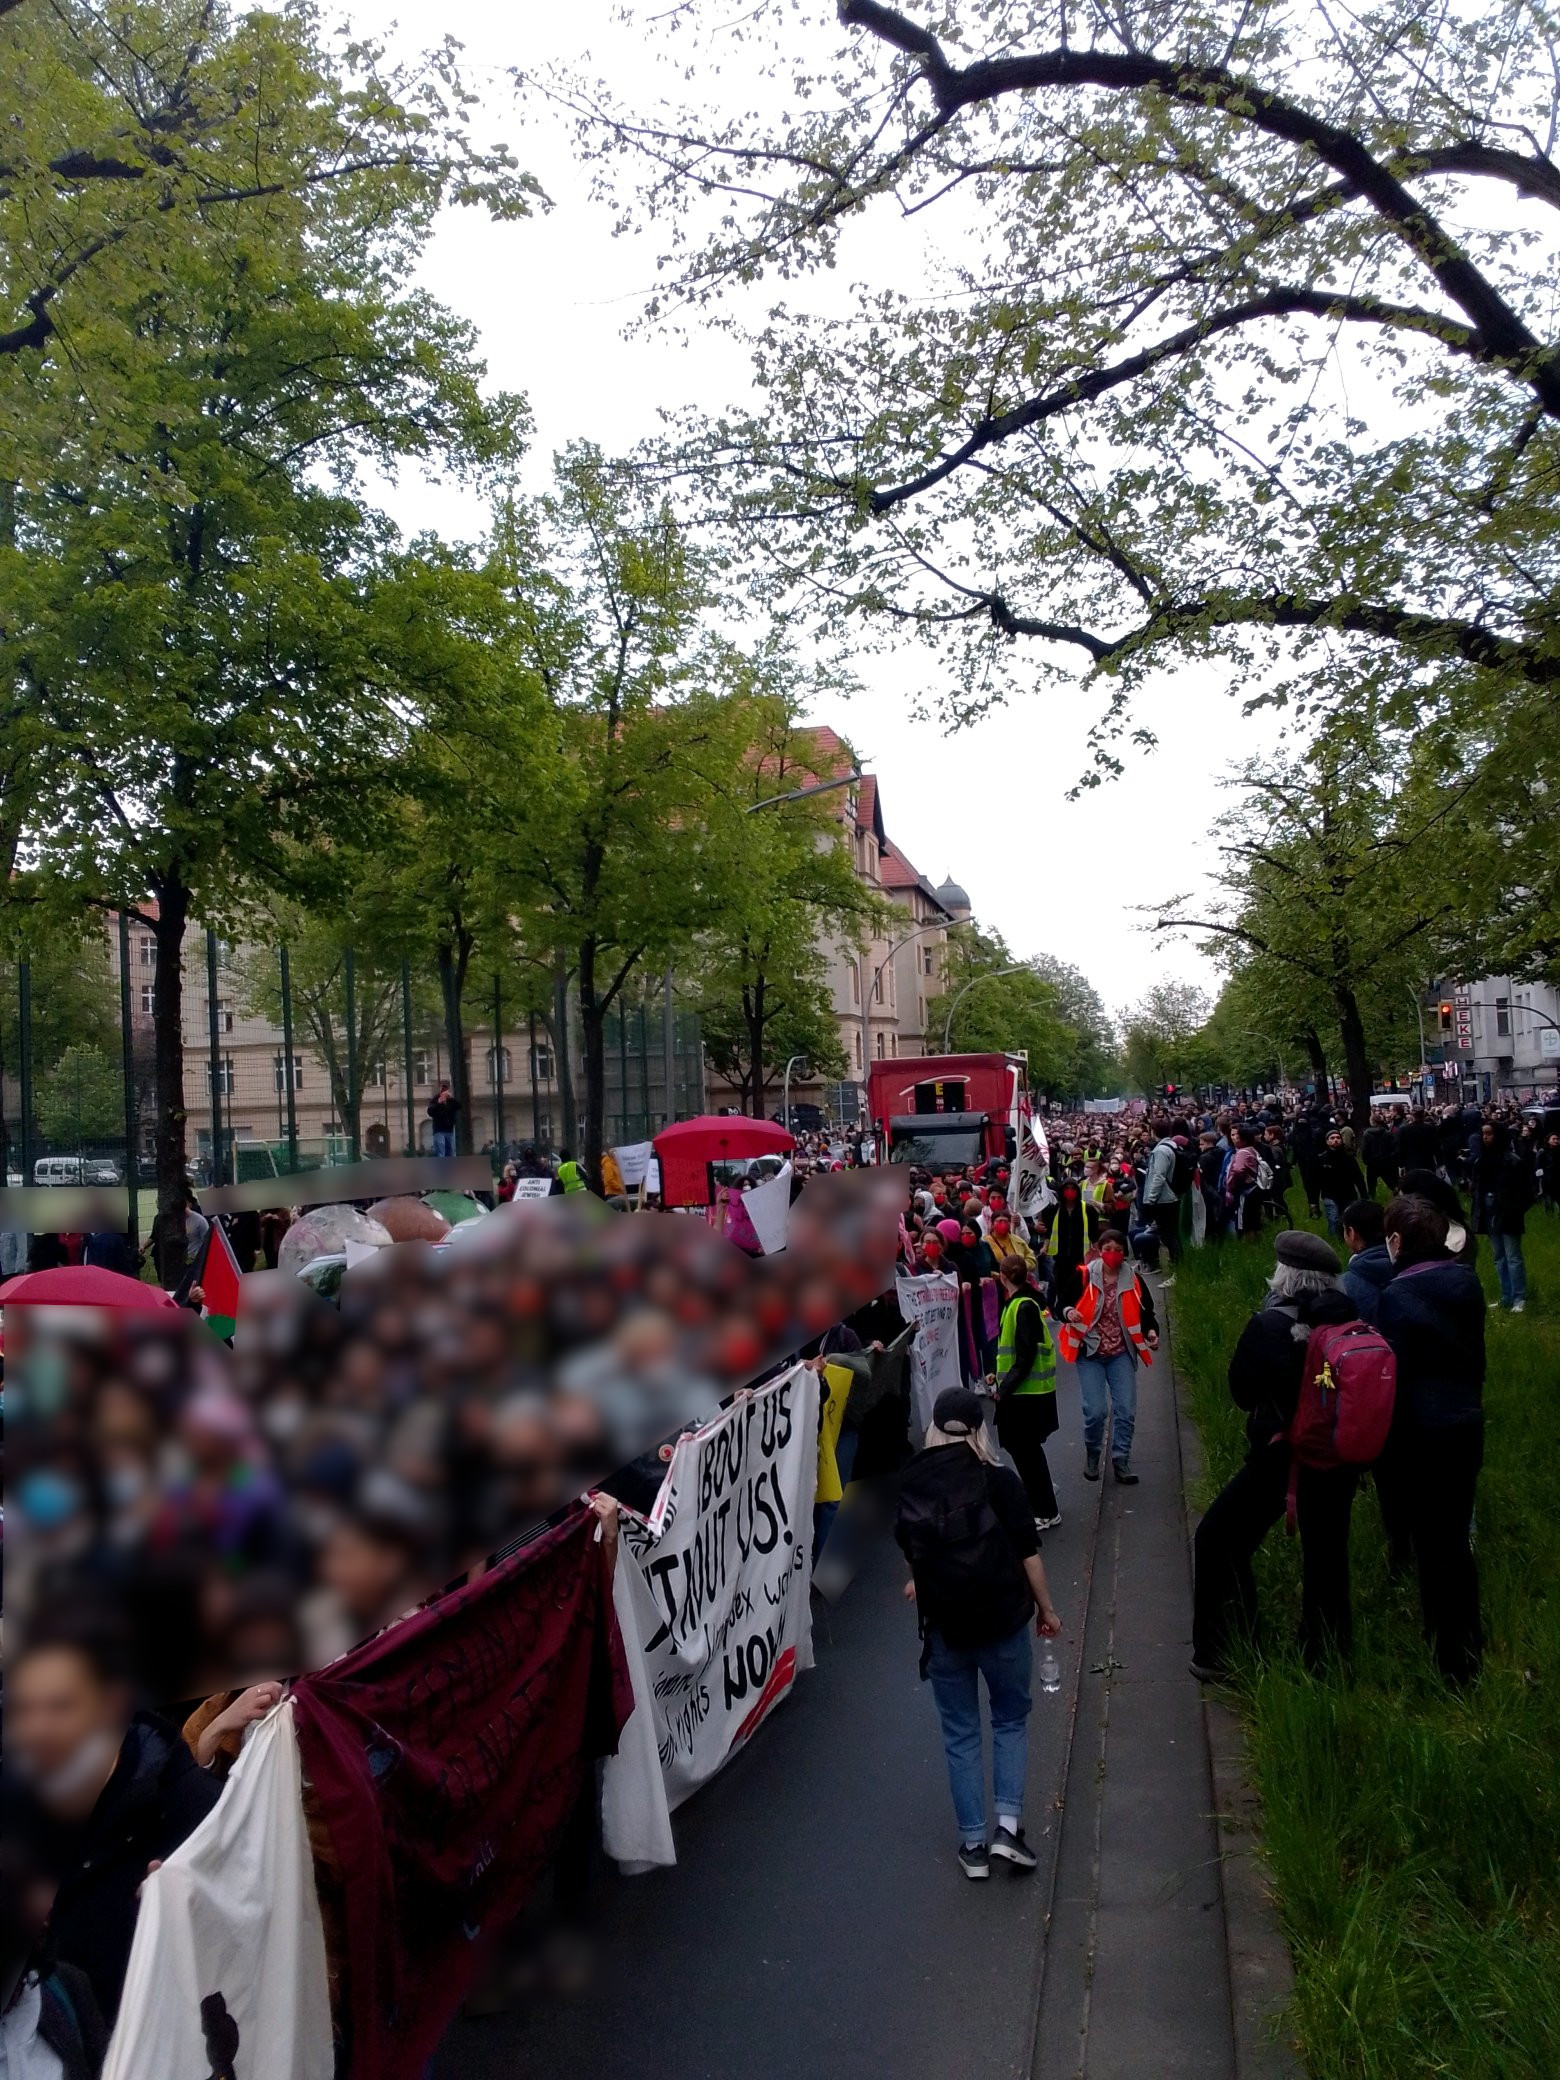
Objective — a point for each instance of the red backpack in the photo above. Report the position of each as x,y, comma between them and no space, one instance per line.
1347,1390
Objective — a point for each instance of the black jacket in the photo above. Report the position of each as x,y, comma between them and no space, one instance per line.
1418,1146
157,1796
1432,1314
1338,1177
1365,1275
1268,1361
1503,1190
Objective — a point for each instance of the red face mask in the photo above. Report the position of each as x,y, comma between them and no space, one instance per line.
1112,1258
1001,1227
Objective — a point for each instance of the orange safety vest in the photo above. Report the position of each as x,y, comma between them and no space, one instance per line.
1070,1341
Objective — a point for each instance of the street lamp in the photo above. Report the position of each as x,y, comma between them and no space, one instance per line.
785,1092
800,794
996,974
869,987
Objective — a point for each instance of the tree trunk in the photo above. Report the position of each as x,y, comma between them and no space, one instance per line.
1356,1059
593,1029
755,1018
173,911
1317,1056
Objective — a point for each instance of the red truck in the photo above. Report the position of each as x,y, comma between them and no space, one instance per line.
947,1111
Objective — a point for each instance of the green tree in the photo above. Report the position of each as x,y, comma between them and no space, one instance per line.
618,818
1236,343
1162,1037
1000,1004
209,620
760,973
81,1099
1342,888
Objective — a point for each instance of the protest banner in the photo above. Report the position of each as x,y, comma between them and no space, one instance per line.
227,1971
930,1304
633,1160
1031,1193
533,1187
720,1574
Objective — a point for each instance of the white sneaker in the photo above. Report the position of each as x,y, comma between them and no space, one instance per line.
1519,1307
1048,1523
1167,1282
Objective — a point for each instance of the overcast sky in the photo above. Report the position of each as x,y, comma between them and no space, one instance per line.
552,299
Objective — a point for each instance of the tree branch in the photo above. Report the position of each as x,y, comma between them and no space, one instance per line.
1502,329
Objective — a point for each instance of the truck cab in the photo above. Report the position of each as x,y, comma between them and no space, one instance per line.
947,1112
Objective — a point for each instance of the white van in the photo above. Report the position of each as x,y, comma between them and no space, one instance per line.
76,1170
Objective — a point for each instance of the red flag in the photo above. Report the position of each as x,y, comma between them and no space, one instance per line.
219,1281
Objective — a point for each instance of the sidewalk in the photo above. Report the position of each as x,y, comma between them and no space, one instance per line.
817,1921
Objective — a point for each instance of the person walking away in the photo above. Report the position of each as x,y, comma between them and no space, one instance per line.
1265,1375
1416,1145
1504,1190
1370,1265
1025,1382
1110,1332
965,1526
1380,1157
1338,1180
1161,1202
1432,1314
444,1110
1306,1142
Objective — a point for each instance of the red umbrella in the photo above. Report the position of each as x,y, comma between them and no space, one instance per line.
82,1285
685,1151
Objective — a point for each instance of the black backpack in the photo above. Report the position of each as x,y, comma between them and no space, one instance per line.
1184,1174
963,1561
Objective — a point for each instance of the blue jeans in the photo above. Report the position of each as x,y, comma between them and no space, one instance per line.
954,1674
1509,1268
1109,1382
443,1144
1334,1213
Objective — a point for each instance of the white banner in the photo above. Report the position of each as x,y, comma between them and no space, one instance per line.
229,1950
930,1305
1032,1192
769,1209
533,1187
633,1160
720,1575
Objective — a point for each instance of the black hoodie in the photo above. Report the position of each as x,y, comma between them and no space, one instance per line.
1432,1314
1269,1361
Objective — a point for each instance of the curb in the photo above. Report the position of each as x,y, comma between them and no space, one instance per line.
1262,1973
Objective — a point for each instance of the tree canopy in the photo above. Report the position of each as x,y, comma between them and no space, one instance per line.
1229,335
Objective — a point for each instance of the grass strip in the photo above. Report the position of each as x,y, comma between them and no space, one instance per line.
1413,1836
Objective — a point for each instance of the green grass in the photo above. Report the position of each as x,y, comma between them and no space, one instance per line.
1413,1836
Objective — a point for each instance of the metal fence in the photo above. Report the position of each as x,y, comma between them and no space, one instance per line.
309,1055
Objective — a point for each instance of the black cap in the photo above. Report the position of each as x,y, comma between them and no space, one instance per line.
958,1411
1303,1251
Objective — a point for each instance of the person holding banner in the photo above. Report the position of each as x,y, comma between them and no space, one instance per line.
964,1525
1025,1380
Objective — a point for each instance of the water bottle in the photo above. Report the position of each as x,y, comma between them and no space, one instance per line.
1050,1670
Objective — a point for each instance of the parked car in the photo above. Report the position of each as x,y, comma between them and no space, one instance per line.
77,1170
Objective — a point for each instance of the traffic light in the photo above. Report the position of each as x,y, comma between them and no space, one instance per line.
1168,1090
1446,1017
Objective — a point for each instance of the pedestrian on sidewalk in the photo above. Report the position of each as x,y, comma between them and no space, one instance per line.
1111,1331
1161,1200
1025,1380
966,1527
1265,1375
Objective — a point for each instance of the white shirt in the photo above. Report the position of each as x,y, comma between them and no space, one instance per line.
23,2053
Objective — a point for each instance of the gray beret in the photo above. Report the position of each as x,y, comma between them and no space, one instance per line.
1303,1251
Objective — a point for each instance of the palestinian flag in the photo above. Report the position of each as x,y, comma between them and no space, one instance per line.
218,1275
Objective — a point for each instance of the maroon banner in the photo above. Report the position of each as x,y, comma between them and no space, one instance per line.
446,1757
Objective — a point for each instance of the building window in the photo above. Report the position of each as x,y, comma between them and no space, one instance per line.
541,1063
882,1047
148,953
1503,1018
858,1049
374,1075
224,1017
497,1066
855,982
928,960
421,1066
877,987
148,994
277,1061
225,1084
224,953
893,1043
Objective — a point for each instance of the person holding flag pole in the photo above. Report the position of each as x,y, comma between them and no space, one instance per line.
210,1288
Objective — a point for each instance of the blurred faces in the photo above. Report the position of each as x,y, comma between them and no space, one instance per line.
63,1727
